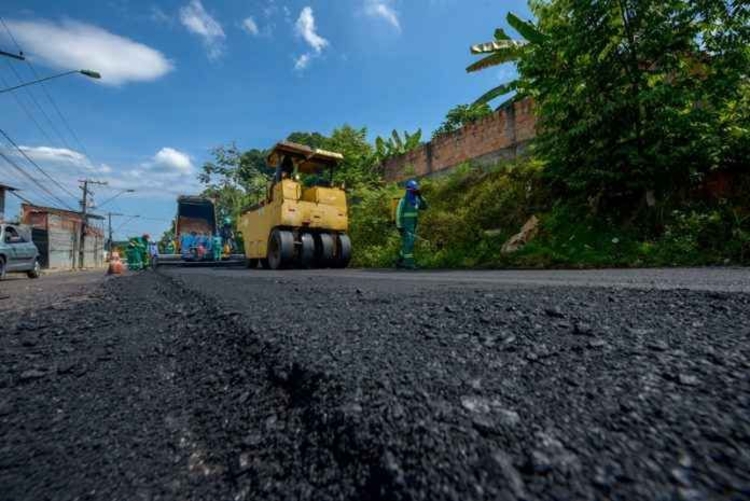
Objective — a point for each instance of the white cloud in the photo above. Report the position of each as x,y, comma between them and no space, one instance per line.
270,9
167,173
159,16
249,25
199,22
302,62
75,45
171,160
383,9
51,154
305,28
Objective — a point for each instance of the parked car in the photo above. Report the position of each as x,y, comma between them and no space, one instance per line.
18,254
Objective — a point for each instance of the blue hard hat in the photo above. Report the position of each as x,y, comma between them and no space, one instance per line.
412,185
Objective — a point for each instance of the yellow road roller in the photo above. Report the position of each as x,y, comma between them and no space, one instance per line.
303,220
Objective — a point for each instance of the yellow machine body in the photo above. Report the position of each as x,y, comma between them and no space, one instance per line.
291,205
298,225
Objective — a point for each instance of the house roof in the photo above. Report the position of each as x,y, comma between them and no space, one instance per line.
61,212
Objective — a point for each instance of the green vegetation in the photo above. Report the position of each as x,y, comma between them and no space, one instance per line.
474,211
461,116
641,159
394,145
639,100
504,49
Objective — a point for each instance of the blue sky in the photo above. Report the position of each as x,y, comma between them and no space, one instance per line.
181,77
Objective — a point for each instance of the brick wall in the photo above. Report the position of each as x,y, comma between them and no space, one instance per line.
499,136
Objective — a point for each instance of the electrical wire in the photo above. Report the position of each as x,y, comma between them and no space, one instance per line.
35,194
25,109
21,182
22,198
50,99
39,107
10,140
34,180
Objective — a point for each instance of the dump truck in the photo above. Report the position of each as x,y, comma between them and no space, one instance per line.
303,220
195,226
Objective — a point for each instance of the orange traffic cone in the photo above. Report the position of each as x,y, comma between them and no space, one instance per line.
115,265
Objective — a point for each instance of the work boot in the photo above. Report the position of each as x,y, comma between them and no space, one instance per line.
409,264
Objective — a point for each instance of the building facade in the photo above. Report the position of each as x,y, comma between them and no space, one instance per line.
57,235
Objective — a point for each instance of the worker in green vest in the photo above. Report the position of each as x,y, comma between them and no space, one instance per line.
407,216
133,255
216,247
143,248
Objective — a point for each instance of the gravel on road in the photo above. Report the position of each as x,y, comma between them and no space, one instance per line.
200,386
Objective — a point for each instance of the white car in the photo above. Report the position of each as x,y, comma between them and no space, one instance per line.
18,254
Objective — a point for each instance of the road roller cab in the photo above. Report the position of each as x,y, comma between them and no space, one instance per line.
303,220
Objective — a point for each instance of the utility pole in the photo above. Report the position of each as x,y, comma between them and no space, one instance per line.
109,224
84,218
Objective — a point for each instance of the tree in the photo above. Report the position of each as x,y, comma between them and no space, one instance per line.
395,145
235,179
504,49
311,139
358,166
638,98
462,115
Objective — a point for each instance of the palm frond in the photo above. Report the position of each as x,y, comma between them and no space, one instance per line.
497,92
525,28
497,58
501,35
495,45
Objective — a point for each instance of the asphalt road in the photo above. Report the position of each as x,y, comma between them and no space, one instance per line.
237,384
701,279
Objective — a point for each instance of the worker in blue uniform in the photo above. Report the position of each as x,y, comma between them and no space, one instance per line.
407,217
187,241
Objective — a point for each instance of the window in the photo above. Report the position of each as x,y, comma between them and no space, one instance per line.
11,235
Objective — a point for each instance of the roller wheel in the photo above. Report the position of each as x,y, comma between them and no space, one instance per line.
252,263
280,249
306,251
343,251
324,250
264,264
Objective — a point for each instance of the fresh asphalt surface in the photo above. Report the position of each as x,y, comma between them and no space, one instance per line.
706,279
213,384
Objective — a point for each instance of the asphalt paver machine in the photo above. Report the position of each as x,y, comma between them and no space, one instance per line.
195,227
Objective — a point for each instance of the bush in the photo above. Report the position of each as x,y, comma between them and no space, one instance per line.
473,212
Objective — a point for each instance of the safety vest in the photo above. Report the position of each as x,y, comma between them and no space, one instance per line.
407,214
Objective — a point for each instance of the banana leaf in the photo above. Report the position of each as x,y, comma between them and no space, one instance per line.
525,28
497,92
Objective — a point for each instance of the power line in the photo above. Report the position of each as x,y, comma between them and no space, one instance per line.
46,92
77,168
39,107
22,183
34,180
25,109
35,164
23,199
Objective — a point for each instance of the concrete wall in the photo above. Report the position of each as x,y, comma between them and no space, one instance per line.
501,136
